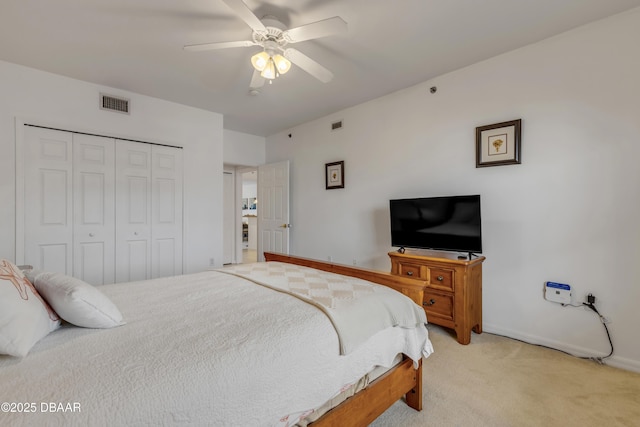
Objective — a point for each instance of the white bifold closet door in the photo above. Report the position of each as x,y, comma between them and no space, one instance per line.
48,199
148,211
101,209
166,211
133,211
93,209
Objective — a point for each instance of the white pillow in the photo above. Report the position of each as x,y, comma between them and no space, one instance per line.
76,301
25,317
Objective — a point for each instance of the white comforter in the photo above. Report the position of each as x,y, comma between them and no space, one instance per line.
357,308
200,349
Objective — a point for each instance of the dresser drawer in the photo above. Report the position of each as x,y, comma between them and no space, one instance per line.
441,278
415,271
438,304
451,289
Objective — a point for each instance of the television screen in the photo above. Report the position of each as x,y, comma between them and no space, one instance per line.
441,223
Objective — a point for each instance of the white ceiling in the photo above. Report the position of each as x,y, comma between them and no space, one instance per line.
136,45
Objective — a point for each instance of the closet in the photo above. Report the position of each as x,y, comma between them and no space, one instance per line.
101,209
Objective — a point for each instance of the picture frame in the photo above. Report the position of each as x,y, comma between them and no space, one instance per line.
334,175
498,144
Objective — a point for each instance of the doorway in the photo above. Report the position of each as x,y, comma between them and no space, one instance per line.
249,216
253,225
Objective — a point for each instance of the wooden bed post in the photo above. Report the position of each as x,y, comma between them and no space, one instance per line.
414,396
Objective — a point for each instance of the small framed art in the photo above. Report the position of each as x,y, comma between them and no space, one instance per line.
334,175
498,144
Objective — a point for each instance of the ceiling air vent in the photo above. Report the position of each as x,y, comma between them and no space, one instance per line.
336,125
114,103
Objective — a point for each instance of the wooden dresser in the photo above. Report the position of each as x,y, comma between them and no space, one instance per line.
453,293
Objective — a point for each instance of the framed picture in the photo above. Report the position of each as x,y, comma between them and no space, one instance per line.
334,175
498,144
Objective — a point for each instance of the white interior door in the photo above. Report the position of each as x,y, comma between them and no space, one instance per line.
166,212
133,211
48,203
93,209
273,214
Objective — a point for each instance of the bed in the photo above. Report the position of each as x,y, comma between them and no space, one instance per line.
230,347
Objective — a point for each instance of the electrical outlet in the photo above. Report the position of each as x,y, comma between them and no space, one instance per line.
355,262
212,262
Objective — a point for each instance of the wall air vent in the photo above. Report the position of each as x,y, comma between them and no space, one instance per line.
336,125
114,103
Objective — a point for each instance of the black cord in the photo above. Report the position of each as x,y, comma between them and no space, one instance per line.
602,319
599,360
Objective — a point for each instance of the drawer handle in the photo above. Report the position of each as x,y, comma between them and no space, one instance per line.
409,273
440,278
431,302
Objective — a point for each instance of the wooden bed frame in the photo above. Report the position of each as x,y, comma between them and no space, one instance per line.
402,380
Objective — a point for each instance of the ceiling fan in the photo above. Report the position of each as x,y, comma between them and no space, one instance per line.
276,57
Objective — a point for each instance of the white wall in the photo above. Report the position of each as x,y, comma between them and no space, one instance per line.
568,213
243,149
47,99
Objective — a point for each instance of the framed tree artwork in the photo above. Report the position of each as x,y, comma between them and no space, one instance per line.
334,175
498,144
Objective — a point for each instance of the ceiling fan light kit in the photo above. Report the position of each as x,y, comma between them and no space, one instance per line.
269,64
272,36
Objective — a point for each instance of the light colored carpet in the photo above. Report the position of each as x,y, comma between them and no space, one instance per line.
497,381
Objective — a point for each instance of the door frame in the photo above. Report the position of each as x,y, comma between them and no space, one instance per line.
234,212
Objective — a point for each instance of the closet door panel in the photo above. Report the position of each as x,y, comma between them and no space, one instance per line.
48,207
166,211
100,209
94,209
133,211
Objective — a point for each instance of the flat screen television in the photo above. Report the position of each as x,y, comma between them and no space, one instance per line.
441,223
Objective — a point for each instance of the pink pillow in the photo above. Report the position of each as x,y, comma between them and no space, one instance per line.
25,317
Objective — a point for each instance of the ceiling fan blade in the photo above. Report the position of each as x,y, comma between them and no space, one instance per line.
308,65
316,30
257,81
220,45
244,13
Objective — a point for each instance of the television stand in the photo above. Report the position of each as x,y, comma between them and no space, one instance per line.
452,296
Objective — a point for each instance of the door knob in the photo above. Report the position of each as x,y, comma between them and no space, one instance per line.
90,234
285,226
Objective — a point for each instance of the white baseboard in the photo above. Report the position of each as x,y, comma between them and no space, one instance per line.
615,361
